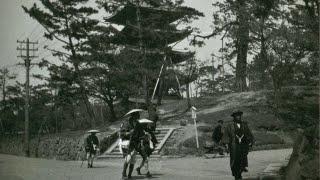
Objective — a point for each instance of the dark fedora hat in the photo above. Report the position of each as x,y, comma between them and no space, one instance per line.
236,112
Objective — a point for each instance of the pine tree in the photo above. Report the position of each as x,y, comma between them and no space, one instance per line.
69,23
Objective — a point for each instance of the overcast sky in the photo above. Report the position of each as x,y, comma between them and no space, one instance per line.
16,25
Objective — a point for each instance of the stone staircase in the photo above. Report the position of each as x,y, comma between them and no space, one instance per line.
162,135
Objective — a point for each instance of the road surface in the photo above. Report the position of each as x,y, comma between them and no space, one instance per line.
193,168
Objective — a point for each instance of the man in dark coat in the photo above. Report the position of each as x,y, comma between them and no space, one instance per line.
91,147
130,131
217,135
238,138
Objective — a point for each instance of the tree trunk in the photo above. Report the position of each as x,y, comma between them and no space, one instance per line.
4,90
109,100
277,88
144,69
160,92
242,48
188,95
146,96
112,112
125,102
264,58
80,80
85,97
178,93
73,116
2,129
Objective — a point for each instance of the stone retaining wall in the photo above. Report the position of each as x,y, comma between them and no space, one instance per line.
304,161
63,146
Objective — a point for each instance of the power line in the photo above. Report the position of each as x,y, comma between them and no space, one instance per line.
12,52
102,16
45,50
39,35
43,42
33,30
10,55
22,35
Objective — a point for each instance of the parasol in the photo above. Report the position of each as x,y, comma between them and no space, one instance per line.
134,110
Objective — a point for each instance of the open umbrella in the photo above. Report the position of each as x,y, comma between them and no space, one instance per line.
145,121
93,131
134,110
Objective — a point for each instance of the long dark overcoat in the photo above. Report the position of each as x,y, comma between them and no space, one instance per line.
238,150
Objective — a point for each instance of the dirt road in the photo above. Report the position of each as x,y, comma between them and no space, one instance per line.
193,168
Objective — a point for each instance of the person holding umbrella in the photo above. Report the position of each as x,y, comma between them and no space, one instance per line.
147,144
130,132
238,138
91,146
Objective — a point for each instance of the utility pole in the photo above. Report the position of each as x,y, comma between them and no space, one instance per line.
212,73
27,58
222,56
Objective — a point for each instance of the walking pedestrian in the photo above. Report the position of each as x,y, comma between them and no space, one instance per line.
147,145
238,137
91,147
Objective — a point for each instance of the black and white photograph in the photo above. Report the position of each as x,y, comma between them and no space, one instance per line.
159,89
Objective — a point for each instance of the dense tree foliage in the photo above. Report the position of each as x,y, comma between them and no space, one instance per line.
269,44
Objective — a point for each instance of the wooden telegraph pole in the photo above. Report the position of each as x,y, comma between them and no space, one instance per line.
27,58
222,56
212,72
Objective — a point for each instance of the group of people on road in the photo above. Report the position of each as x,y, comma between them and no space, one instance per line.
137,136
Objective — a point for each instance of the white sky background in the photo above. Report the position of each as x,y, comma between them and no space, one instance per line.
17,25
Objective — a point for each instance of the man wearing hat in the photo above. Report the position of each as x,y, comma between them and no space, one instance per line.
130,131
238,137
91,146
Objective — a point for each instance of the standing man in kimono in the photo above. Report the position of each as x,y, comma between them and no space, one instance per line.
238,138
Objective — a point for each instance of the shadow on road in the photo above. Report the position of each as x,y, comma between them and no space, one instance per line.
154,176
11,177
100,166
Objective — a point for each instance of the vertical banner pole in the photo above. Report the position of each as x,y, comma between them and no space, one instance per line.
194,116
195,126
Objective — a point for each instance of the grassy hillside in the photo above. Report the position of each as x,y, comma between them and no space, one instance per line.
273,125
